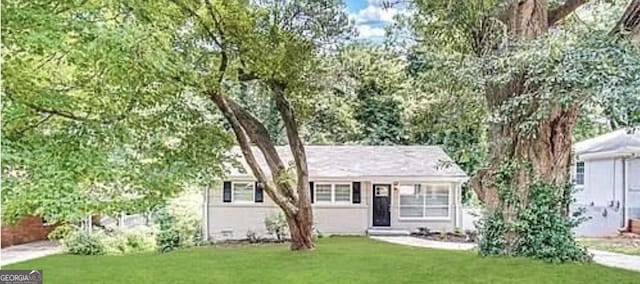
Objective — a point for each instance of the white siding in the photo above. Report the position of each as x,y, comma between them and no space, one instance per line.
233,221
228,220
633,179
602,197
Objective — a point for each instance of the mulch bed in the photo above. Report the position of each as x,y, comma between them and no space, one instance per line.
247,242
453,237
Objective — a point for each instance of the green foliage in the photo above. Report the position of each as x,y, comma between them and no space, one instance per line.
540,228
379,114
83,243
363,101
140,242
61,232
175,230
112,94
276,224
459,26
93,118
491,229
544,229
446,107
112,243
168,240
567,70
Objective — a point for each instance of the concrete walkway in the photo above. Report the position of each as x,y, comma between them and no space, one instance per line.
631,262
28,251
417,242
606,258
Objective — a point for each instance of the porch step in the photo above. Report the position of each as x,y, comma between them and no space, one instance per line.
387,232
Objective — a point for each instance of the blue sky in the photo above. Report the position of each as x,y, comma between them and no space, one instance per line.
370,17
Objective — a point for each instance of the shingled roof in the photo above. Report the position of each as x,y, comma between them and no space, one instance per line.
619,142
351,161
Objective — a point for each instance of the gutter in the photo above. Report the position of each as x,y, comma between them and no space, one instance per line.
609,154
457,178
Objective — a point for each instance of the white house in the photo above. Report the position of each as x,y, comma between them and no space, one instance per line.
607,176
354,190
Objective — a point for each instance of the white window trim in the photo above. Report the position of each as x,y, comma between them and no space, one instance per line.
333,193
233,189
575,174
427,218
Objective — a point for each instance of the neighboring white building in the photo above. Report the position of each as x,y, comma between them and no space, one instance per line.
607,176
354,190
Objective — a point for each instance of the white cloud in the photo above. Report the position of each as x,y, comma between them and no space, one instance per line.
366,31
372,20
374,14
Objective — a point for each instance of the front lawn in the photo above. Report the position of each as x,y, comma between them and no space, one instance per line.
336,260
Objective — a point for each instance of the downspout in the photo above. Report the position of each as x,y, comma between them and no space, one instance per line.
625,182
205,214
458,206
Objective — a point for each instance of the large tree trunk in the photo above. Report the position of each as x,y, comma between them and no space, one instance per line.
295,204
293,199
545,155
549,150
302,232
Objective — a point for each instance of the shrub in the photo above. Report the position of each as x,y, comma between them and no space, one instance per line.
61,232
276,225
544,231
168,240
540,230
114,242
252,237
179,222
491,229
140,242
83,243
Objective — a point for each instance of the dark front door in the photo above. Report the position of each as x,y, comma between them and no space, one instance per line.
382,205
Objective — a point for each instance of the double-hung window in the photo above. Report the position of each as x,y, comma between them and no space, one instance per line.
579,178
332,192
424,201
243,191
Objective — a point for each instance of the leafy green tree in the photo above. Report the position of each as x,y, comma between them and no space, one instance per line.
90,123
446,107
534,81
375,80
138,87
380,115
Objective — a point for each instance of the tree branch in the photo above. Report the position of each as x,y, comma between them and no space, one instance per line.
260,136
564,10
20,132
629,23
247,152
295,143
195,15
61,113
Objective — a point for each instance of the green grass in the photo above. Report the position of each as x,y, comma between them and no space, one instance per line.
336,260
